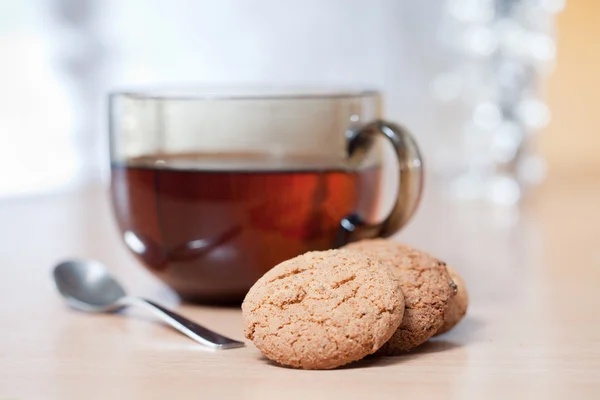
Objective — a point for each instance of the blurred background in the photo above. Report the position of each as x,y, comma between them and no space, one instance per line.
501,94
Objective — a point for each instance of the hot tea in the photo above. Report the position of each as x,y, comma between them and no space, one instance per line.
211,225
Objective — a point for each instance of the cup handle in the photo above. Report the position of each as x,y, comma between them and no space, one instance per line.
410,174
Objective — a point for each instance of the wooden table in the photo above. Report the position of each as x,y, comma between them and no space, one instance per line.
533,330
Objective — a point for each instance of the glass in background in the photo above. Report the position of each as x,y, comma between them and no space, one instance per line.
502,52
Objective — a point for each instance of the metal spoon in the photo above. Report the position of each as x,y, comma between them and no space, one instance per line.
87,286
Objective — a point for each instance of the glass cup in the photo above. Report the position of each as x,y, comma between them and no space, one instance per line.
212,189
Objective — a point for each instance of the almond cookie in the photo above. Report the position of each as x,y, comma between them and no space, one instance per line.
457,306
323,309
426,285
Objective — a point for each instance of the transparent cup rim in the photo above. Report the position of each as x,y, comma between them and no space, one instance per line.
243,92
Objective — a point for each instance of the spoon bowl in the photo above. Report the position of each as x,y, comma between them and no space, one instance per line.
87,285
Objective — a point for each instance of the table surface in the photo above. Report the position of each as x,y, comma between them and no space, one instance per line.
533,328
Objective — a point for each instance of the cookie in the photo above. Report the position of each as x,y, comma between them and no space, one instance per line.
426,285
457,306
323,309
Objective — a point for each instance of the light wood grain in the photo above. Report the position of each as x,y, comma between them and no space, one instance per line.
533,330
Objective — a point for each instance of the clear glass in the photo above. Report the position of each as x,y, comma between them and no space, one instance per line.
500,52
211,189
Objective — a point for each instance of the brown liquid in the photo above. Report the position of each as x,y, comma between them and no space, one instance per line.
210,228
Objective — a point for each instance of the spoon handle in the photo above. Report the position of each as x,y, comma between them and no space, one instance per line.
192,330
